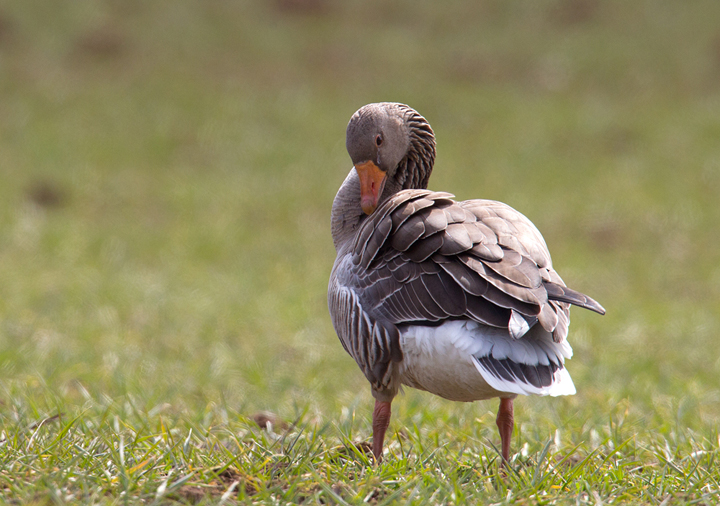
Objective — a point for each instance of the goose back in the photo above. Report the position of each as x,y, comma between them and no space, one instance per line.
423,258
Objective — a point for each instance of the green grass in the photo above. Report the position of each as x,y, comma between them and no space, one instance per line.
166,175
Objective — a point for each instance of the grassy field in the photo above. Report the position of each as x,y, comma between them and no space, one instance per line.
166,175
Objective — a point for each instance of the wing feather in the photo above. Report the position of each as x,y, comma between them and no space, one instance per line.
422,257
423,249
456,240
449,297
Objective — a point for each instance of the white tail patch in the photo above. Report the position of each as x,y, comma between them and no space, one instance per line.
562,383
442,355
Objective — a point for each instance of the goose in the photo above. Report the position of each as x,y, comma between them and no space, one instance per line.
459,299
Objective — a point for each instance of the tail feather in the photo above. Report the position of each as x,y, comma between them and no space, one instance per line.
565,294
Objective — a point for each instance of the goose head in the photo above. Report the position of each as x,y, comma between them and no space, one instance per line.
392,148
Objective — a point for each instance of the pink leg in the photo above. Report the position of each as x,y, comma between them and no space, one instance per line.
505,423
381,420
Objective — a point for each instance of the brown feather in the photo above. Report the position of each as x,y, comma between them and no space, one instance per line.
548,318
500,226
424,248
426,308
404,271
403,212
477,208
456,214
410,231
434,220
429,267
505,300
561,329
447,295
469,280
533,296
490,252
488,235
456,240
368,226
476,233
483,311
563,293
517,268
375,242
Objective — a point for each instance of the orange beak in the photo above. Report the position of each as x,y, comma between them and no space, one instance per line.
372,182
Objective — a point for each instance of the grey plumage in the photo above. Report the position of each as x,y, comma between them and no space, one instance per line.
423,258
439,276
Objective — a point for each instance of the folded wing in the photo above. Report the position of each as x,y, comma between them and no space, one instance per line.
422,257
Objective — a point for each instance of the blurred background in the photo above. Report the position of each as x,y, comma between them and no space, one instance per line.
167,170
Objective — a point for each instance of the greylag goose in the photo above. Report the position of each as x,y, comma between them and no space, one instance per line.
459,299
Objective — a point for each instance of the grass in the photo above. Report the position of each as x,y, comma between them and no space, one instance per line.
167,171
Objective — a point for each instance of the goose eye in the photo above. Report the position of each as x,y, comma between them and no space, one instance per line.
378,140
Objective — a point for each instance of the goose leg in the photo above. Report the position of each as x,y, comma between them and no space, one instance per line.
505,423
381,420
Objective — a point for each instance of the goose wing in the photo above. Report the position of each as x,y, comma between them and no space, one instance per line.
422,257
